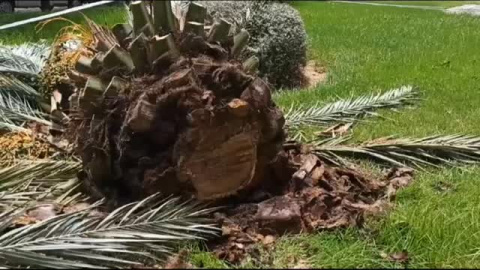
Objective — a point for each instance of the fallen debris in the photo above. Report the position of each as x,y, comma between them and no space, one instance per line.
315,197
178,261
337,130
42,212
398,257
444,187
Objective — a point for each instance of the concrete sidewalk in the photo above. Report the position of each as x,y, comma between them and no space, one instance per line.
31,10
470,9
391,5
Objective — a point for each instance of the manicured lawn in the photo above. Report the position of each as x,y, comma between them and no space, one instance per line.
371,48
108,15
368,48
444,4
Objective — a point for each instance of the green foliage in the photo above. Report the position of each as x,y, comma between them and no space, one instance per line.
277,37
25,59
20,68
347,110
431,151
109,15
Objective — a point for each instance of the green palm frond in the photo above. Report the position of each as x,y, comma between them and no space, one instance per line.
29,180
133,235
16,111
26,59
349,110
430,151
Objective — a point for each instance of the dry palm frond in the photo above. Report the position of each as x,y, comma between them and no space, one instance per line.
15,112
430,151
11,86
103,37
26,59
29,180
73,31
27,171
348,111
133,235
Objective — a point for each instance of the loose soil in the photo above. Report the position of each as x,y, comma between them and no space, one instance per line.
314,74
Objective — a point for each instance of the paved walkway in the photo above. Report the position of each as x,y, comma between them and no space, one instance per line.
465,9
473,10
391,5
30,10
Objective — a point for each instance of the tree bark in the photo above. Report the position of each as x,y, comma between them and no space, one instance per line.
94,89
195,28
141,20
201,123
159,46
87,65
219,31
196,13
138,51
117,57
240,41
116,86
164,19
251,64
122,31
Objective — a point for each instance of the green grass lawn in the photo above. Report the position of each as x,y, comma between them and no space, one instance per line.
368,48
371,48
108,15
443,4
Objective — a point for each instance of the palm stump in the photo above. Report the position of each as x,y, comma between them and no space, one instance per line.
163,106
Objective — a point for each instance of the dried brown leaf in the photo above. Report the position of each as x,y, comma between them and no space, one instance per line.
268,239
336,130
178,261
302,264
43,212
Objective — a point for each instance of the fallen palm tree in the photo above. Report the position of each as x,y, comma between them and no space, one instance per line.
162,107
166,108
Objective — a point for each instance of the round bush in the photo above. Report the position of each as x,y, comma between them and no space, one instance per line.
278,37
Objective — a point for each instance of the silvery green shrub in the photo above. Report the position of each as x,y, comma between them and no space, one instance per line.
278,36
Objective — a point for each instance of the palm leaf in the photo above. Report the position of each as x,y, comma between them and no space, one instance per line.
29,180
16,111
347,111
11,86
26,59
19,103
136,234
420,153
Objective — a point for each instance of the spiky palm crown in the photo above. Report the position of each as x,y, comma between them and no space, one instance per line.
144,231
